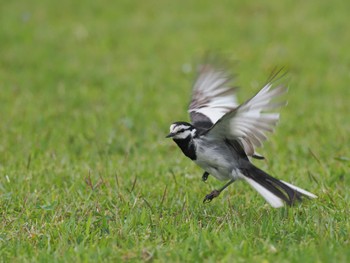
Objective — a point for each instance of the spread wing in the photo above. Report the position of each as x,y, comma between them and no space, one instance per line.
212,96
250,122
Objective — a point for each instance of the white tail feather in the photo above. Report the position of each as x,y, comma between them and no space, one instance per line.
302,191
271,198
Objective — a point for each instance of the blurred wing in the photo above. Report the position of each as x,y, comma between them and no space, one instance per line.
251,121
212,97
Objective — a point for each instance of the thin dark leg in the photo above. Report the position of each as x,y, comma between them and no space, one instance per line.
215,193
205,176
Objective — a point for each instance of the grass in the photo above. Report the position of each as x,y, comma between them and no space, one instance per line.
87,92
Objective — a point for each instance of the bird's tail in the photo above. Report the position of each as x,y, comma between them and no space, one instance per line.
274,191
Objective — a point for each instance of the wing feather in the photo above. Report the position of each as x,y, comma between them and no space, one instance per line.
212,96
251,121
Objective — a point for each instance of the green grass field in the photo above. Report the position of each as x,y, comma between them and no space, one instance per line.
88,90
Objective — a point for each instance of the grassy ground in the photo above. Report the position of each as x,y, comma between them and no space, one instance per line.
87,92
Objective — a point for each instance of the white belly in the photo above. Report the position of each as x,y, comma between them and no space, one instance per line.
217,162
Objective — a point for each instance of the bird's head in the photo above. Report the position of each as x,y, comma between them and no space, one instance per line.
181,130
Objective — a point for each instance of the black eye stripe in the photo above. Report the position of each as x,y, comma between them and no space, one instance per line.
182,130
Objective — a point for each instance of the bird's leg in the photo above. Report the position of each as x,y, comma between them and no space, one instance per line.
215,193
205,176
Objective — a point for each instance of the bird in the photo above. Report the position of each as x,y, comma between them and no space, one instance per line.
223,135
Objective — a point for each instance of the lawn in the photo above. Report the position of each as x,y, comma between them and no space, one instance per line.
88,90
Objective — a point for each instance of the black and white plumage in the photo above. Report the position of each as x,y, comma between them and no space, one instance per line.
223,135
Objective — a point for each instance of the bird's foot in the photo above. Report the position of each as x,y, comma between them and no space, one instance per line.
208,198
205,176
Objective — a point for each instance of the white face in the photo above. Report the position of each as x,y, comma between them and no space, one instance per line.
181,131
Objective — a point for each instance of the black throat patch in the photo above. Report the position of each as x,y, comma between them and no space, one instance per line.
187,147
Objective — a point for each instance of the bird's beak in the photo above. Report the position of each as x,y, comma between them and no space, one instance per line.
170,135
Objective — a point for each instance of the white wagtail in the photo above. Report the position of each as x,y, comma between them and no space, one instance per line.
222,135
